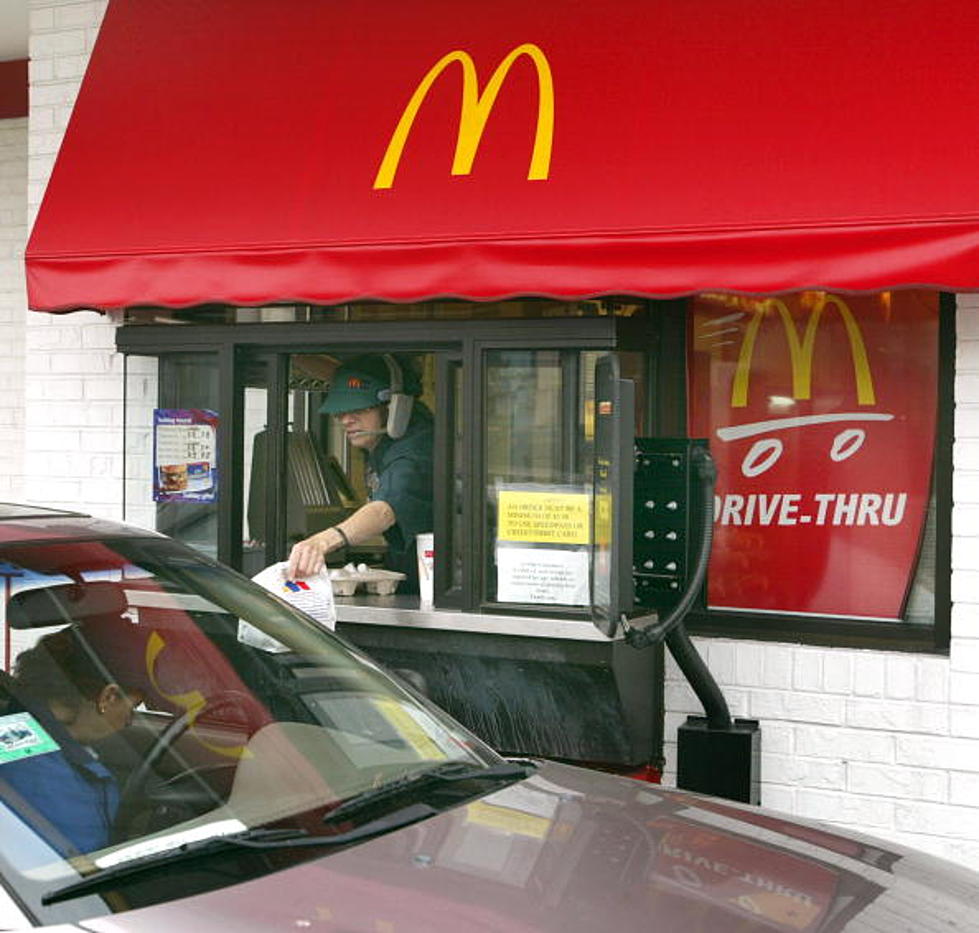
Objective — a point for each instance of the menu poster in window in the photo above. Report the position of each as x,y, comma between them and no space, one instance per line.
821,412
542,545
185,455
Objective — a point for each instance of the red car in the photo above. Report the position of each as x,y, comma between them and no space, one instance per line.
181,750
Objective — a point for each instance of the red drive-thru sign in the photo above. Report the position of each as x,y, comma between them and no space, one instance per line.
820,411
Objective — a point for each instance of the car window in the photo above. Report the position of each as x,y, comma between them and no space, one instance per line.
154,697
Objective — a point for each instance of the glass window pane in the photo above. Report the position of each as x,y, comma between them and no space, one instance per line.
537,406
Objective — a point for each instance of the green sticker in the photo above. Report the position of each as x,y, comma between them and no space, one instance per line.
21,736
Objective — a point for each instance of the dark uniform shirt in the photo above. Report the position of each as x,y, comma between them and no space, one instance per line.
399,472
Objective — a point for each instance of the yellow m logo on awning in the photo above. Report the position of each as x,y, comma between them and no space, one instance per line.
475,111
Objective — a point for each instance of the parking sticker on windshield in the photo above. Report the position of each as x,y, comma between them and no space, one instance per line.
22,736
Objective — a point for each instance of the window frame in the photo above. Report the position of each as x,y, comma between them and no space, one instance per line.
465,342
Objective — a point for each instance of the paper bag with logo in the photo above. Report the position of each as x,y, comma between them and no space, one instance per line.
313,595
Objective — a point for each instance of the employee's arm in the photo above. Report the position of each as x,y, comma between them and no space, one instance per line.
308,556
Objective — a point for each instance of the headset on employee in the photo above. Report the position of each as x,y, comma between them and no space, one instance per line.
398,401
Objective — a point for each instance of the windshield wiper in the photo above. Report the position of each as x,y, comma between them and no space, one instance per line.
447,773
258,839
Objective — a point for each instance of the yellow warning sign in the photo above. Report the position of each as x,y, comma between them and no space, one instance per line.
543,517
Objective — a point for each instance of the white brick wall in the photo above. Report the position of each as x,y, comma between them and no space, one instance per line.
13,303
73,376
883,742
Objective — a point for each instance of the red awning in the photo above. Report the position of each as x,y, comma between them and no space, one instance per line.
247,151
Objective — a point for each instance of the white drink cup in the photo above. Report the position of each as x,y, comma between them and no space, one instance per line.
426,567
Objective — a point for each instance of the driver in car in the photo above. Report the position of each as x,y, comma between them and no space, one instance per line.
72,689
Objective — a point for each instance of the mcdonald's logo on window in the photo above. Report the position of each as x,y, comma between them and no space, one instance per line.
801,351
474,113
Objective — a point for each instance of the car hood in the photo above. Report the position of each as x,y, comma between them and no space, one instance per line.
572,850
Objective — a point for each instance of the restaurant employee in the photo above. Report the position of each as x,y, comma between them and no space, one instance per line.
374,397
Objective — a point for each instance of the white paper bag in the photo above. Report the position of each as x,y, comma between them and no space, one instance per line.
313,595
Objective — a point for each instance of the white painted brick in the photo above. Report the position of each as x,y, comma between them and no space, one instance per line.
937,820
55,440
49,338
868,675
963,687
931,680
967,384
778,738
865,713
965,621
680,696
965,585
40,70
798,707
838,673
748,664
70,463
87,363
963,788
57,44
58,493
41,19
70,66
52,95
66,389
738,702
778,798
672,722
899,677
807,669
845,808
798,771
110,388
97,333
965,655
892,781
75,15
964,852
721,659
964,721
101,442
955,754
842,744
777,667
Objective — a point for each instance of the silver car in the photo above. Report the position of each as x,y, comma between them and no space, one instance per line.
182,750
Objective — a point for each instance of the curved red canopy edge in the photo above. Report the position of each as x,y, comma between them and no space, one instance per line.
251,151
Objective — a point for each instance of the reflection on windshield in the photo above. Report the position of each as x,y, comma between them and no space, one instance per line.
153,696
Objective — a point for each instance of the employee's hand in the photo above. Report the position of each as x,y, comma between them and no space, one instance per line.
307,557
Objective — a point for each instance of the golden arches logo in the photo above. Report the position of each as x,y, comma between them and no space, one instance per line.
801,351
475,111
193,702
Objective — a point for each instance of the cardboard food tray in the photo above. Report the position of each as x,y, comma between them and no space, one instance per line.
378,582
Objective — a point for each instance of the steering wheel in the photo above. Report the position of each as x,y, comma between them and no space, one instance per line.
133,793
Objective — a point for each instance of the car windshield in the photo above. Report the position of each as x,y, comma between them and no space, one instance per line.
154,700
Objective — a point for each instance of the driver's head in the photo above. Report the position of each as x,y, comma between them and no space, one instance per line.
87,676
